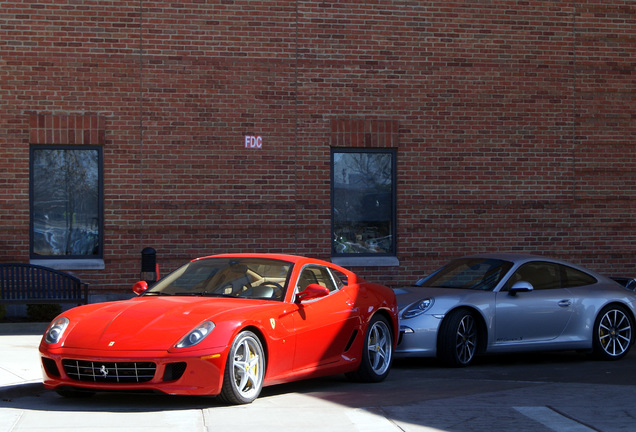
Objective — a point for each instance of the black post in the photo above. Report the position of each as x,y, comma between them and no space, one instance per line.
149,268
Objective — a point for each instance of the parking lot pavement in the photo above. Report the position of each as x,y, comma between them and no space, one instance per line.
19,361
554,392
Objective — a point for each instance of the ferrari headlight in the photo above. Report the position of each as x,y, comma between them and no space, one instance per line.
196,335
418,308
56,330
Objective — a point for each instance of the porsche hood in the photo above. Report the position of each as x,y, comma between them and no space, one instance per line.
142,323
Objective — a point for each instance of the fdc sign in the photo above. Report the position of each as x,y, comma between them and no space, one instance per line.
253,142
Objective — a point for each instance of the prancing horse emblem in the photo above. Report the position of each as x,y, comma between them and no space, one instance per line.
103,371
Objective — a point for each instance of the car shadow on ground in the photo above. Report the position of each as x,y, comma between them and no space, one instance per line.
410,381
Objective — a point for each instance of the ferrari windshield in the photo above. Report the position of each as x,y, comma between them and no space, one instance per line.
468,273
260,278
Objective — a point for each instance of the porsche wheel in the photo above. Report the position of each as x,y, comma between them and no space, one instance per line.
244,370
377,353
458,337
613,333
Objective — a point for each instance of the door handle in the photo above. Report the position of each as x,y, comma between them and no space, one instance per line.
565,303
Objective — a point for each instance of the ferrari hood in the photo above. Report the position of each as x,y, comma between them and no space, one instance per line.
152,323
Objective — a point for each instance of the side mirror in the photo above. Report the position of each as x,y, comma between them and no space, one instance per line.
140,287
313,291
521,286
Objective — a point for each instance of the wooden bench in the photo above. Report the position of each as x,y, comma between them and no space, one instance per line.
28,283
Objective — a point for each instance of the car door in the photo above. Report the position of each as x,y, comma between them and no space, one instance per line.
324,325
535,316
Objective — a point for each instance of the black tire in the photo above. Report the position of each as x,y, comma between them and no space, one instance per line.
244,370
458,339
377,353
613,333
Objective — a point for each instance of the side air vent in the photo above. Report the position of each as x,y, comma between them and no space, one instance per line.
174,371
351,340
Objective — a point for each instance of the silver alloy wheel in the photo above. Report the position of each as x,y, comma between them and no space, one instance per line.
615,332
380,347
466,339
247,366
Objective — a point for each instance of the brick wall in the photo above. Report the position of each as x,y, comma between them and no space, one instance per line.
515,123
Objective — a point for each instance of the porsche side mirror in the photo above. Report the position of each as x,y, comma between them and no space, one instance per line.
140,287
312,291
521,286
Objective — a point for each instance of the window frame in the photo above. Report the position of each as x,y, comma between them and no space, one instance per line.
372,258
68,261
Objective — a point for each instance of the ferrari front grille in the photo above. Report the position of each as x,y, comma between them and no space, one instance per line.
109,372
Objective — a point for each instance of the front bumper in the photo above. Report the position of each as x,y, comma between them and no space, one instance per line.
418,336
191,373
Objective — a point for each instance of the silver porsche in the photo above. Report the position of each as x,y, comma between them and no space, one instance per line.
495,303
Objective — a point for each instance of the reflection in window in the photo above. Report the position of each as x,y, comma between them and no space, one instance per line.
363,202
66,202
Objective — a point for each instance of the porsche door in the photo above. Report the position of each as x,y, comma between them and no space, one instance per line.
324,326
539,315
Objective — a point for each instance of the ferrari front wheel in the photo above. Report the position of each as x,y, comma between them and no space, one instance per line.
377,353
244,370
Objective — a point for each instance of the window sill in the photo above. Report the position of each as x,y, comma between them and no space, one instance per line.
366,261
70,264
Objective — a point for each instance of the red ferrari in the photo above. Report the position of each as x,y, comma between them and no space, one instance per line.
226,325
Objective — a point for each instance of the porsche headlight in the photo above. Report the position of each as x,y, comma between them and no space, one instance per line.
196,335
418,308
56,330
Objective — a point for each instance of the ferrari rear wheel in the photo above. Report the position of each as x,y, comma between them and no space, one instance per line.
458,337
377,354
244,370
613,333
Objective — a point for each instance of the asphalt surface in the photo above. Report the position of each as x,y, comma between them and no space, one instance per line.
562,392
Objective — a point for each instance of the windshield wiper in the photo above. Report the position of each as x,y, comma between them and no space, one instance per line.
157,293
202,294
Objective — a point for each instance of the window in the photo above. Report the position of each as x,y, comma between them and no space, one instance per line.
66,202
363,202
316,275
575,278
469,273
541,275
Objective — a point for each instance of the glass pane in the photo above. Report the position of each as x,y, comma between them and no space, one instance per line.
65,203
363,203
469,273
576,278
234,277
541,275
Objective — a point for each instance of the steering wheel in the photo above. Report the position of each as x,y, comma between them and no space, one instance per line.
278,288
276,293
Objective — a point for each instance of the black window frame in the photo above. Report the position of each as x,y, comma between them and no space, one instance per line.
393,248
100,202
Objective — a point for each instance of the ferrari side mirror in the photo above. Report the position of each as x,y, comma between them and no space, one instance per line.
312,291
140,287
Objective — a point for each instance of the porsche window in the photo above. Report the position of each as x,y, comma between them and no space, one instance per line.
468,273
244,277
541,275
575,278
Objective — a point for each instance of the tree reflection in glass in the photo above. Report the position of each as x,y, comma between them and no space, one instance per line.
65,202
